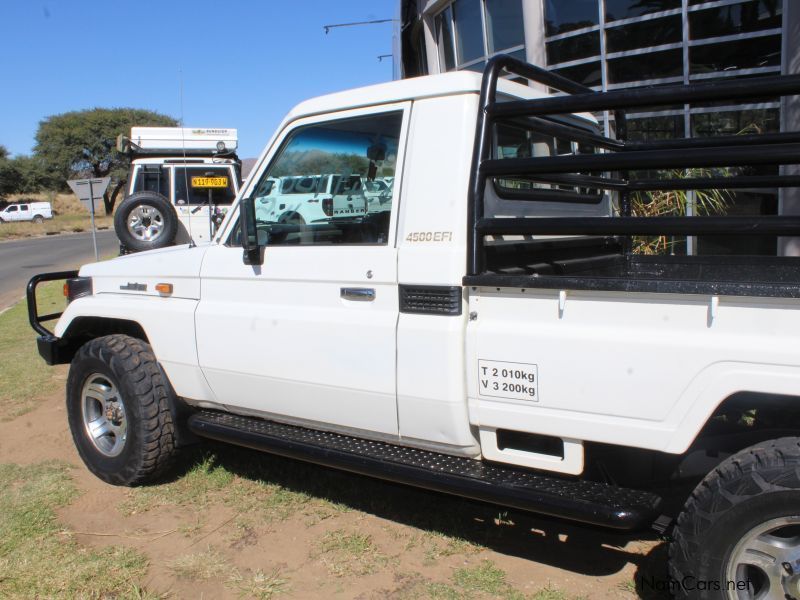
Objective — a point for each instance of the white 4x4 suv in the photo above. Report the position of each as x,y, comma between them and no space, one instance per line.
181,184
304,199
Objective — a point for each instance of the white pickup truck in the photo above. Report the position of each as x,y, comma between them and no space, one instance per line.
26,211
491,334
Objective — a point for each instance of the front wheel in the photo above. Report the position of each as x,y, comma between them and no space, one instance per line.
738,537
118,407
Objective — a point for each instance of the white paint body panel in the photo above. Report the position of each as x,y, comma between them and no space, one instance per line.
642,370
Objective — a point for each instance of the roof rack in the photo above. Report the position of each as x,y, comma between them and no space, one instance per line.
622,157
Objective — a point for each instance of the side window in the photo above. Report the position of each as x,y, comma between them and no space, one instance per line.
203,184
23,207
516,141
12,208
328,183
152,178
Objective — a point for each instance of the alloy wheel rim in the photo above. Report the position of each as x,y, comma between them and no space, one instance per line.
145,223
766,562
104,418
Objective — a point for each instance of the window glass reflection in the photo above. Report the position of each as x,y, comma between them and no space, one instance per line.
469,30
624,9
737,18
740,54
573,48
651,65
655,128
668,30
504,24
587,74
562,16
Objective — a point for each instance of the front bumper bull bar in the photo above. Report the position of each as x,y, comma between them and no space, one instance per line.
52,349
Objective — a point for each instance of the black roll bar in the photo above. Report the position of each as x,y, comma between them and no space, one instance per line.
612,170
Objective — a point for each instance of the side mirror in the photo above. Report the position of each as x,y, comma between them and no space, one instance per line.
252,253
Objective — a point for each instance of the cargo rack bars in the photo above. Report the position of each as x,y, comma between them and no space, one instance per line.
620,158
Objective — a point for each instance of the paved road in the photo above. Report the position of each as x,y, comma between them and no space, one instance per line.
21,259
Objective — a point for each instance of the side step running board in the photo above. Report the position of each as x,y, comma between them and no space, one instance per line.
585,501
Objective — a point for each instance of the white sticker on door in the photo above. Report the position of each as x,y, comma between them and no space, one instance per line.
516,381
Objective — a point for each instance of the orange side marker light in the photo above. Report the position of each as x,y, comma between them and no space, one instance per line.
165,289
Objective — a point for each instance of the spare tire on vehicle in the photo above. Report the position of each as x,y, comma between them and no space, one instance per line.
146,221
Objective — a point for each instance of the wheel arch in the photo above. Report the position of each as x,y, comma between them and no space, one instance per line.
83,329
728,386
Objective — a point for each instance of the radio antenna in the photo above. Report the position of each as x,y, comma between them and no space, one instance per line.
192,243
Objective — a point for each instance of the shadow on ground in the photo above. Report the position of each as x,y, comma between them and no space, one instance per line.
578,548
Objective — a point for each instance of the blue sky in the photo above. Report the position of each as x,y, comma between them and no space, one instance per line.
244,63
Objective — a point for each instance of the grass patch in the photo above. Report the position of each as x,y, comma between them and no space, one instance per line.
260,585
484,580
195,488
439,545
349,553
70,217
208,481
24,376
58,224
201,565
485,577
38,559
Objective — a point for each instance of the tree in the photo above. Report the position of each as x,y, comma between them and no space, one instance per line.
9,177
3,152
83,143
32,173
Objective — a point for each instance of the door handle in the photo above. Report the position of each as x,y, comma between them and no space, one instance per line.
358,294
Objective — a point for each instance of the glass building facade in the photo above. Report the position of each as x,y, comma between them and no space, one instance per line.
613,44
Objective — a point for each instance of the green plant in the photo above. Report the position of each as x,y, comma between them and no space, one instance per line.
675,203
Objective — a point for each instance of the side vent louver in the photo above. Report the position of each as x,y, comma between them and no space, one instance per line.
430,299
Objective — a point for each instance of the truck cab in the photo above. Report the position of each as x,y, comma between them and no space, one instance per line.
182,183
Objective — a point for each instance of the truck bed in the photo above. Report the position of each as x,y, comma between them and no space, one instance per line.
599,264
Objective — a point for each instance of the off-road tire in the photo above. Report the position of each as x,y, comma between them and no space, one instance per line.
751,488
169,229
38,219
150,445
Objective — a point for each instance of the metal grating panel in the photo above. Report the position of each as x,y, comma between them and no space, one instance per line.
581,500
430,299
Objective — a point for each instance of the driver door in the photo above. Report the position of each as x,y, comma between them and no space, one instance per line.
310,335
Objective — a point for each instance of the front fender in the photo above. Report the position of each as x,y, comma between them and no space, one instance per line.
168,324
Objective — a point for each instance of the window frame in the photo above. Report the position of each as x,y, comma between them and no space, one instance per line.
459,65
227,233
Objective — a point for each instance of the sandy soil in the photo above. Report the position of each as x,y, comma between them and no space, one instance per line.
534,552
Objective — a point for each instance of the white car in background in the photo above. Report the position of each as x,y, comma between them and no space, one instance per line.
309,198
28,211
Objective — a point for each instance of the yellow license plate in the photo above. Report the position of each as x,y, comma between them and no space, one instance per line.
209,182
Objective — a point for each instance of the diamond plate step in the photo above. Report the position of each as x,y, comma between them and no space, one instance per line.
585,501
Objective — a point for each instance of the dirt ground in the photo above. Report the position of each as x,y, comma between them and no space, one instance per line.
327,534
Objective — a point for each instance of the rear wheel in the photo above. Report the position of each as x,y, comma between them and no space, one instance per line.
118,407
146,221
38,219
292,218
739,534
